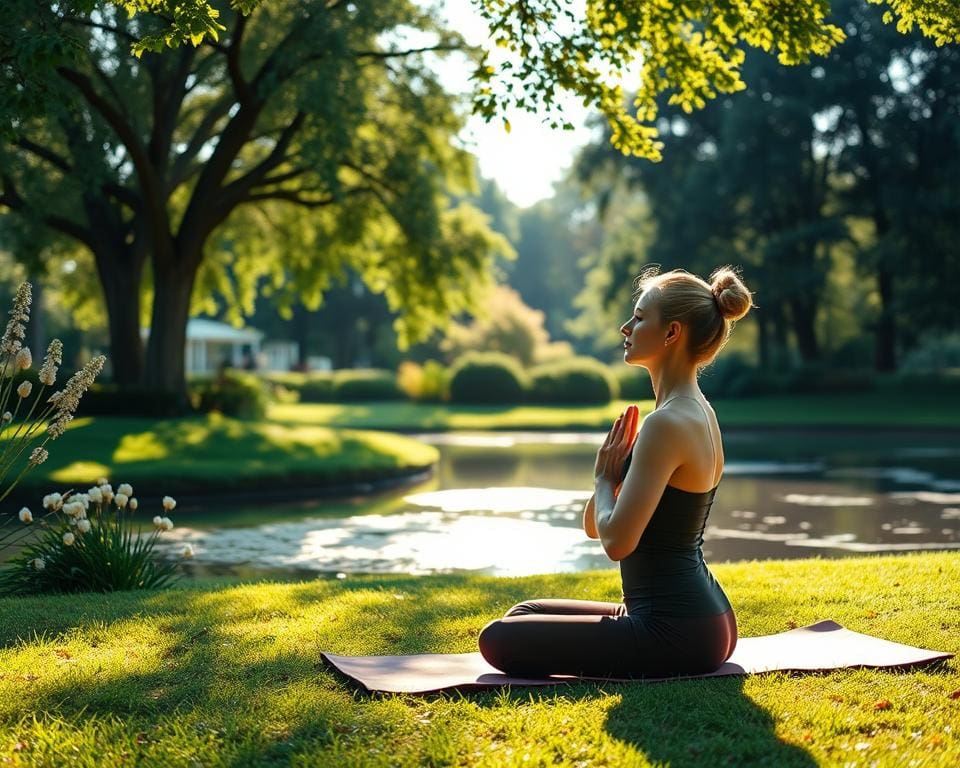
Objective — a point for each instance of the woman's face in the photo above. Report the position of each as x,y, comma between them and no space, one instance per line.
643,335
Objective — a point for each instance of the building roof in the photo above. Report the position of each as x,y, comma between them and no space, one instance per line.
204,329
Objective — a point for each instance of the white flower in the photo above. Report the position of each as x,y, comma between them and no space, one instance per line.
133,504
48,371
121,499
52,501
25,389
38,563
188,551
68,538
169,503
158,521
106,490
26,516
83,525
167,523
38,455
126,489
95,495
73,508
19,316
24,359
102,481
7,416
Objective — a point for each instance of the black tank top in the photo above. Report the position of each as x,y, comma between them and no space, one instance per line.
666,574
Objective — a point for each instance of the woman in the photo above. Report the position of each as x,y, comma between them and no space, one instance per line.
653,491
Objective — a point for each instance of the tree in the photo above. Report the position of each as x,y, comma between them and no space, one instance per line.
690,51
504,323
308,140
775,177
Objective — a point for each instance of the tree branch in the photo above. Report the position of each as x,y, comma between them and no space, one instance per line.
291,196
409,52
255,176
58,161
11,198
201,136
130,38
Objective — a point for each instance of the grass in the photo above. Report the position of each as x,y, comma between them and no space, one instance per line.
219,453
226,674
854,410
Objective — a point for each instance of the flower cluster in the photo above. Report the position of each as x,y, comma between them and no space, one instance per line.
77,514
53,413
11,343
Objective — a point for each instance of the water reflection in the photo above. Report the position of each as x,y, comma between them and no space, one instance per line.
511,504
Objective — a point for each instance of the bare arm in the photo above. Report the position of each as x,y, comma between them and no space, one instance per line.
590,519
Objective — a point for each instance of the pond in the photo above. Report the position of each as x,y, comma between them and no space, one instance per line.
511,504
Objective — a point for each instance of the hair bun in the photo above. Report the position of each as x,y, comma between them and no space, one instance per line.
733,298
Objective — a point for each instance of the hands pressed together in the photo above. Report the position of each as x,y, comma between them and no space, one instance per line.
616,447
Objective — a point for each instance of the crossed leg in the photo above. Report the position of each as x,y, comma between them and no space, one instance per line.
561,636
548,636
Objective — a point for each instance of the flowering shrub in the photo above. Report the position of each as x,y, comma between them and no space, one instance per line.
87,543
43,417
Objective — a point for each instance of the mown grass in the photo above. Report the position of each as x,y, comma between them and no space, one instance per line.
219,453
222,674
854,410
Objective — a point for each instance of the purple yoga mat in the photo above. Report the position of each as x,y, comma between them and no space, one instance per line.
821,646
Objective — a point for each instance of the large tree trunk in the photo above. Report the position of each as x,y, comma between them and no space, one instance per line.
802,316
120,279
885,351
763,341
165,368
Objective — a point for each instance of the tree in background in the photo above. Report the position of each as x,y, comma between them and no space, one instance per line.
689,51
505,324
309,138
777,179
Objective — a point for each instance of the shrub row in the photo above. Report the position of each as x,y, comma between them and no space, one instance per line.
493,378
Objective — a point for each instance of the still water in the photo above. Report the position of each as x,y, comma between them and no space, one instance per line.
511,504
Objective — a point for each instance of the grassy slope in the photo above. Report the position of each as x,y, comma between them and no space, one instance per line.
221,453
231,675
871,409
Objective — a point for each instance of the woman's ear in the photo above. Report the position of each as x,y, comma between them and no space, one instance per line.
673,331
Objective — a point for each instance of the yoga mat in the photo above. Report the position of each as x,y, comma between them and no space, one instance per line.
821,646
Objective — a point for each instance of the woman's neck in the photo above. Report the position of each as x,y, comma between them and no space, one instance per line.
674,379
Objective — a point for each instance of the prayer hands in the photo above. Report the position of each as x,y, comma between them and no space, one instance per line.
616,447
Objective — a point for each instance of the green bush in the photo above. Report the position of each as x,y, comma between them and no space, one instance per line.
318,387
633,381
574,380
487,377
429,382
943,382
234,393
86,543
366,384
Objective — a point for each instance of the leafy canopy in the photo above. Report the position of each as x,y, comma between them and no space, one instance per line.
690,50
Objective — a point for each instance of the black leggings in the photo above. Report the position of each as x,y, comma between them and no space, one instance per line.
585,637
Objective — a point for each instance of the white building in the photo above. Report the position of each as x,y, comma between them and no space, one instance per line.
211,343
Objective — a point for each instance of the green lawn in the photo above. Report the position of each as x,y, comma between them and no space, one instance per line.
868,409
222,674
218,453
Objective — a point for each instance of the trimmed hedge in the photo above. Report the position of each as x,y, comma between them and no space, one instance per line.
238,394
366,384
634,382
574,380
487,377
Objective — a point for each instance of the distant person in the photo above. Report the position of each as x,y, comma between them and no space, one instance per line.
653,492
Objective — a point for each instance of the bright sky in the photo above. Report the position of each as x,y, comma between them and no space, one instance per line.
526,162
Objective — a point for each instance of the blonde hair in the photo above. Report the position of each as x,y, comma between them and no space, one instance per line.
709,310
